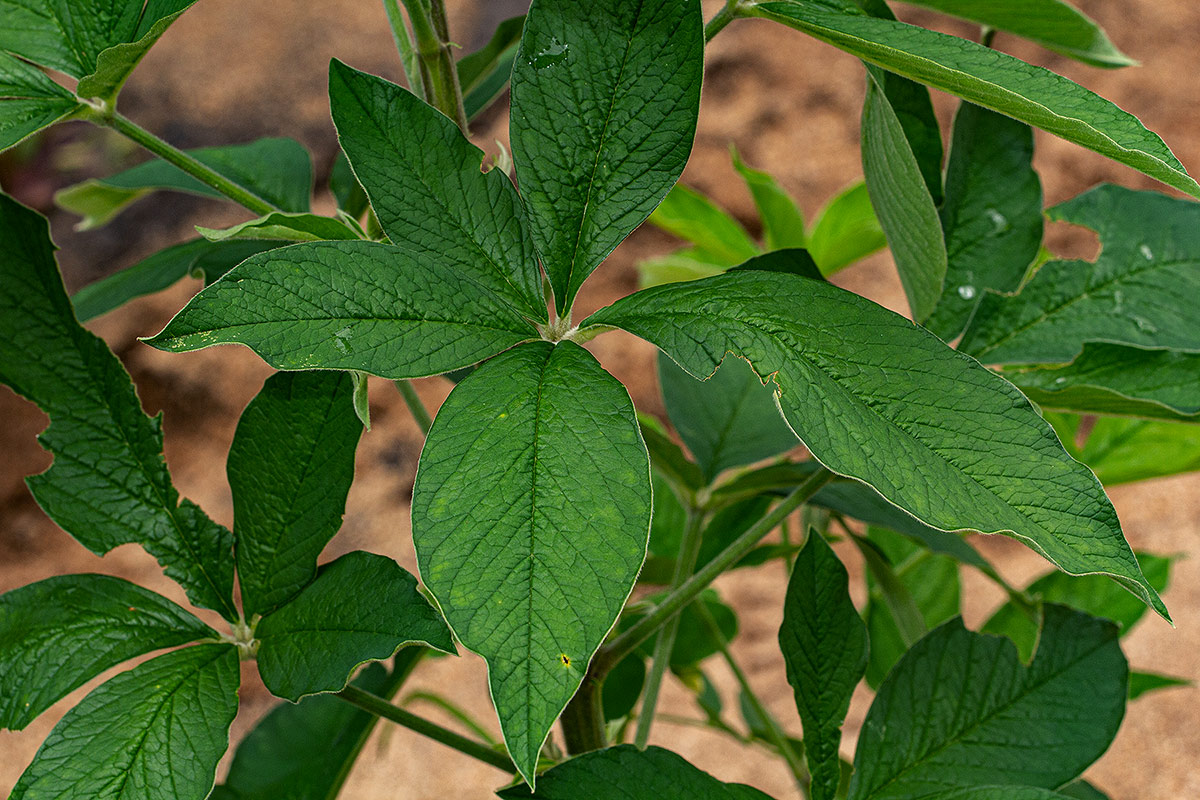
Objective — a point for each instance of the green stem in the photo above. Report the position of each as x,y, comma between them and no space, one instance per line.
413,401
408,56
685,565
185,162
722,18
583,719
438,71
458,713
382,708
674,602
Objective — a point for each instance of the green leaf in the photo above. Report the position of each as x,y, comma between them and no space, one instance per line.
1052,24
108,484
667,457
960,710
196,258
996,793
1089,593
694,641
484,74
1082,790
1141,683
824,645
114,64
159,728
992,216
845,231
1140,291
1127,450
1111,379
682,265
362,607
991,79
347,191
783,224
604,103
876,398
531,514
902,200
29,100
397,313
290,468
726,421
719,238
624,771
279,225
423,177
278,171
61,632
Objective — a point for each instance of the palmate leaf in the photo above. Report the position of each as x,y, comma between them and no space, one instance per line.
155,731
290,468
365,306
961,711
964,449
29,100
604,102
991,79
1140,291
59,633
108,484
361,607
531,513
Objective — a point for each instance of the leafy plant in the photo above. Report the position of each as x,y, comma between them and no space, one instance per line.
542,498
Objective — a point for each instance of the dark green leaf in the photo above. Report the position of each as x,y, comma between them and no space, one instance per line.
960,710
1141,683
29,100
783,224
667,457
995,793
278,171
718,237
197,258
423,177
991,79
108,484
346,189
484,74
992,216
1126,450
1082,790
694,641
604,102
902,200
114,64
794,261
155,731
290,467
622,772
726,421
531,514
623,686
824,645
283,226
394,312
1140,291
878,399
846,231
61,632
362,607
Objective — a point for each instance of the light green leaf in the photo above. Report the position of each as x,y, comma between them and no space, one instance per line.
423,177
856,382
604,102
682,265
29,100
1141,683
992,216
991,79
718,237
290,468
783,224
196,258
484,74
394,312
1051,23
114,64
1126,450
531,514
902,201
624,771
726,421
824,645
108,484
277,171
61,632
278,225
960,711
1140,291
159,728
845,231
362,607
1126,381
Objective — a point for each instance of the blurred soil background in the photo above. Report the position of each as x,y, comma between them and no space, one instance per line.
236,70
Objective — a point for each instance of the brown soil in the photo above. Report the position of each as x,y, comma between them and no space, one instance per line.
232,70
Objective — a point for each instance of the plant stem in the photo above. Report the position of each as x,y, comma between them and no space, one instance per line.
673,603
722,18
413,401
408,56
454,711
382,708
439,75
583,719
185,162
685,565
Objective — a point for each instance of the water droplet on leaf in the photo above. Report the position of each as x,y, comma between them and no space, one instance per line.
549,56
966,292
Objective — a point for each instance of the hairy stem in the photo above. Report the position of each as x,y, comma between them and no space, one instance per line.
408,56
439,74
413,401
